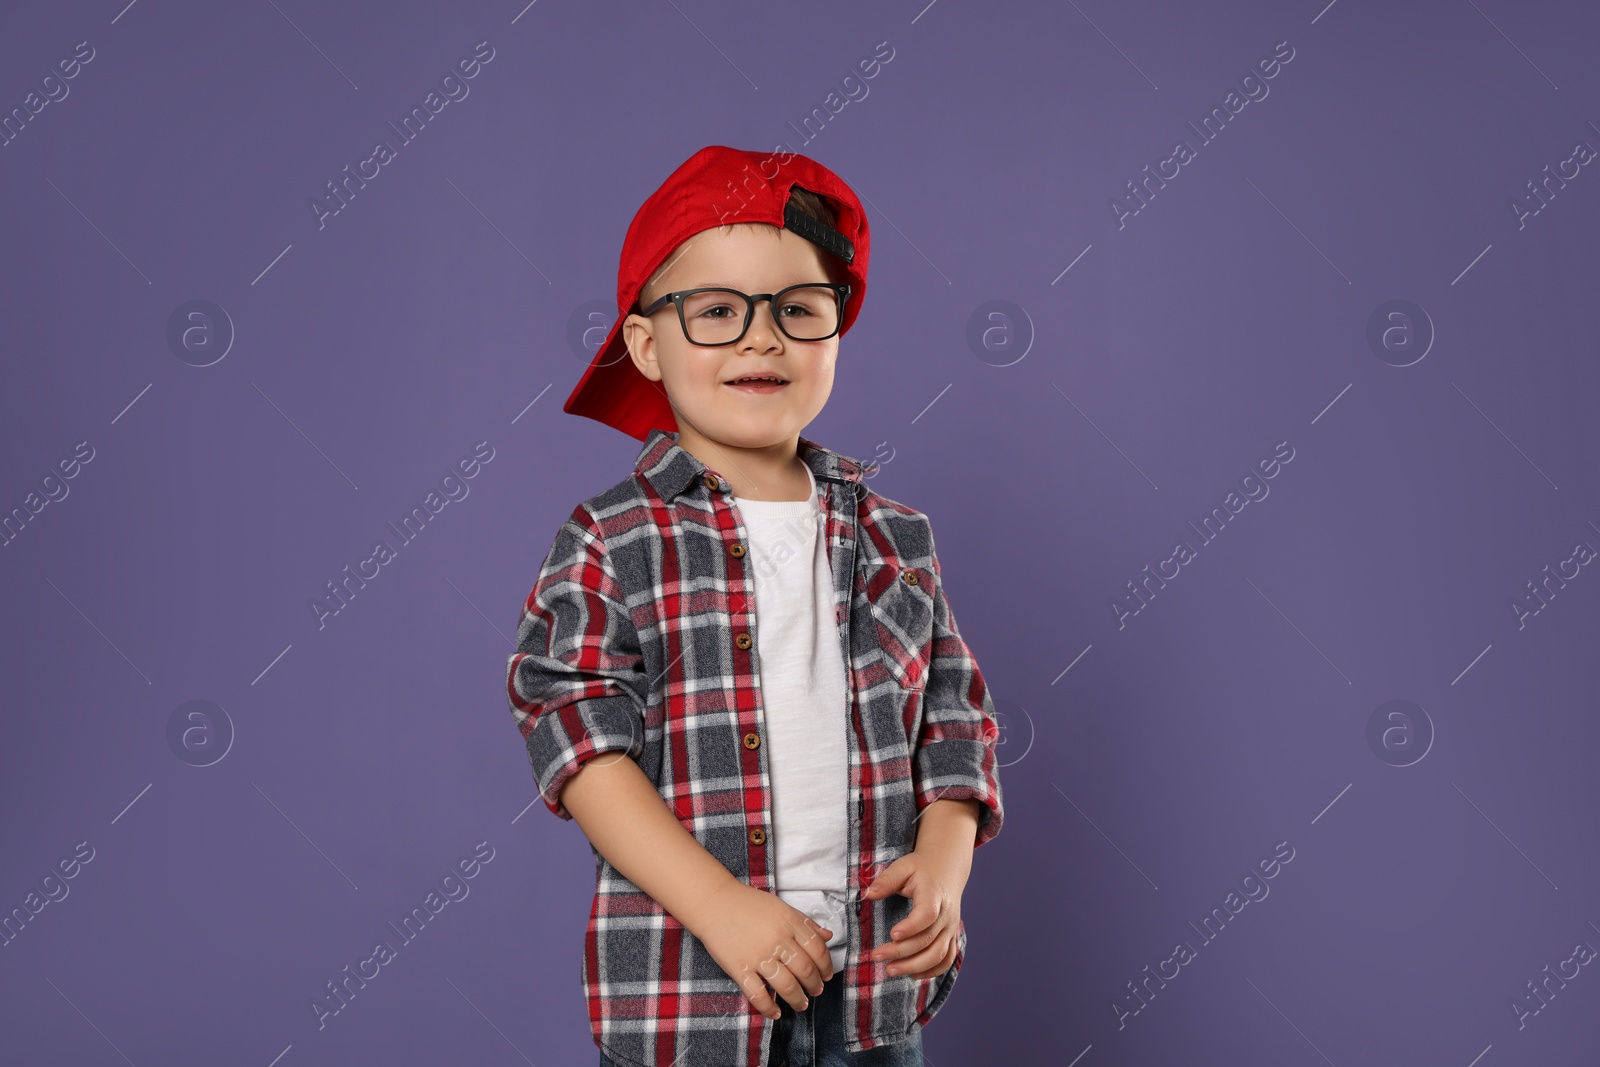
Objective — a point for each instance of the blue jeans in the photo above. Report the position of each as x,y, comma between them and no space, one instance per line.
815,1037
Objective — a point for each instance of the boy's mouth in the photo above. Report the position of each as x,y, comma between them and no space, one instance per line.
758,383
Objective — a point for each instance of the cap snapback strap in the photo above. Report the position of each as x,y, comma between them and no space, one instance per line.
818,233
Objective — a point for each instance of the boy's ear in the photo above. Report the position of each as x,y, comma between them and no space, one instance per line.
641,342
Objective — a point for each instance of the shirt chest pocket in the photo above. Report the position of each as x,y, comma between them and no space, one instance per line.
900,604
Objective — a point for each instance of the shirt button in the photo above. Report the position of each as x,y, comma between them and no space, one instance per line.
743,641
752,740
910,577
758,836
736,550
712,482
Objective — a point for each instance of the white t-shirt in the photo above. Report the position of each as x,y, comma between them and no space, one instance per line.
806,701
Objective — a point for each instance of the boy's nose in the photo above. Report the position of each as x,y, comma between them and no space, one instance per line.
762,322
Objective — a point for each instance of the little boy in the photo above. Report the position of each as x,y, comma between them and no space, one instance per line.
787,750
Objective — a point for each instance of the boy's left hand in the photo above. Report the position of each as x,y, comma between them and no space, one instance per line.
925,941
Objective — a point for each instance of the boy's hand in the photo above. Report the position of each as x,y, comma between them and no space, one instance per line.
759,940
925,941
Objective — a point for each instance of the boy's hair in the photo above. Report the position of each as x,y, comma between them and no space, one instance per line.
804,201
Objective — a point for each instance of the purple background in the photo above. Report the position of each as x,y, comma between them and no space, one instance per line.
365,757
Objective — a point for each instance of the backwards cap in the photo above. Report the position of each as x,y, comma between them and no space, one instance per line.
714,187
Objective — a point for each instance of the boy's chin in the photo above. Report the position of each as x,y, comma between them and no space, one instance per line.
751,430
763,437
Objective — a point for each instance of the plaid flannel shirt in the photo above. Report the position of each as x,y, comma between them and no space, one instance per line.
640,637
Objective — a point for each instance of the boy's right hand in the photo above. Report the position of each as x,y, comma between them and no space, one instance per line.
759,940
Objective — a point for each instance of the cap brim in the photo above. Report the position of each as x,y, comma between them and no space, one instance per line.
612,391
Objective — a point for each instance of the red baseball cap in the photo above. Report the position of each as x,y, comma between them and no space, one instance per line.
714,187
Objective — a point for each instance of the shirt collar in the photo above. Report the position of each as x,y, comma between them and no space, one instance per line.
670,468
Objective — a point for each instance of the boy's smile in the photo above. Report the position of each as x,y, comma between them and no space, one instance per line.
744,428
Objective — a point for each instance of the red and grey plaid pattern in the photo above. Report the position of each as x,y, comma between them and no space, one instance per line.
640,637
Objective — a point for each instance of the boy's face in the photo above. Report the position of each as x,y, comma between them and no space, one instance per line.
751,259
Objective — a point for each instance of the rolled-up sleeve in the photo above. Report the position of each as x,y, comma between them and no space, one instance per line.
955,754
576,679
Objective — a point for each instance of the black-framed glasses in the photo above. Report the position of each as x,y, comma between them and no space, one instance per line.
810,311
